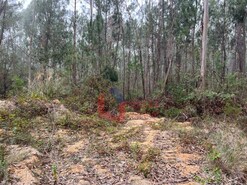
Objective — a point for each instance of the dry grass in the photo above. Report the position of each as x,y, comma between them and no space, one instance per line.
226,145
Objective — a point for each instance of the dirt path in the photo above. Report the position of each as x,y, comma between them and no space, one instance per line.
135,153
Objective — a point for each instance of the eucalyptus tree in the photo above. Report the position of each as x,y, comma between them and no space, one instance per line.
204,45
9,17
239,13
48,32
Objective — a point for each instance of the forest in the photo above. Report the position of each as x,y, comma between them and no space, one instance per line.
125,92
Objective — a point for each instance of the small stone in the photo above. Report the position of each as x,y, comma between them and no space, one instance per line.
83,182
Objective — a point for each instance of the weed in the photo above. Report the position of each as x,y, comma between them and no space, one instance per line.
145,168
214,176
54,172
214,155
147,160
152,154
135,150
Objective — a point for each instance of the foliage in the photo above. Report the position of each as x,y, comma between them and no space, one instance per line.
3,164
54,86
110,74
17,85
232,110
210,102
172,112
29,107
85,98
135,149
145,168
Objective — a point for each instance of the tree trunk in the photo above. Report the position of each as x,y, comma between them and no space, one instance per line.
30,63
178,64
3,21
74,72
224,46
204,46
193,42
124,68
142,74
240,47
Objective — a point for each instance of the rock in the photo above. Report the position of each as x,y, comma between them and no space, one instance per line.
83,182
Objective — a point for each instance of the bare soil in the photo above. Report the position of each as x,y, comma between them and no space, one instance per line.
134,153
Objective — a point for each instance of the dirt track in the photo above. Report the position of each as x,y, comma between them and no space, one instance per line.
133,153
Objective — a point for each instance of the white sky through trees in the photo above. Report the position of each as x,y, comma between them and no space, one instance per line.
27,2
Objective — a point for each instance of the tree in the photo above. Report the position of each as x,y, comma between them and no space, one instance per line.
74,63
204,46
239,12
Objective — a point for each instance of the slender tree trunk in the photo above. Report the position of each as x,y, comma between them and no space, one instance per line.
240,47
30,63
149,71
74,63
129,72
167,74
3,21
124,68
153,62
204,46
178,63
224,46
193,41
142,74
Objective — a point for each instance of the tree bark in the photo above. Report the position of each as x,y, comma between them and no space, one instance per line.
142,74
3,21
240,47
204,46
74,72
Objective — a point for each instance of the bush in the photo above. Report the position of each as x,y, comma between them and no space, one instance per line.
210,102
110,74
17,85
172,112
85,99
232,110
53,86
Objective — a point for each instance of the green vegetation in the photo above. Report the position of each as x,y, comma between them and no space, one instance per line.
3,164
59,68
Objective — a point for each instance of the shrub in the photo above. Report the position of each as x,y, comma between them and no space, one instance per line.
17,85
85,99
172,112
110,74
232,110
